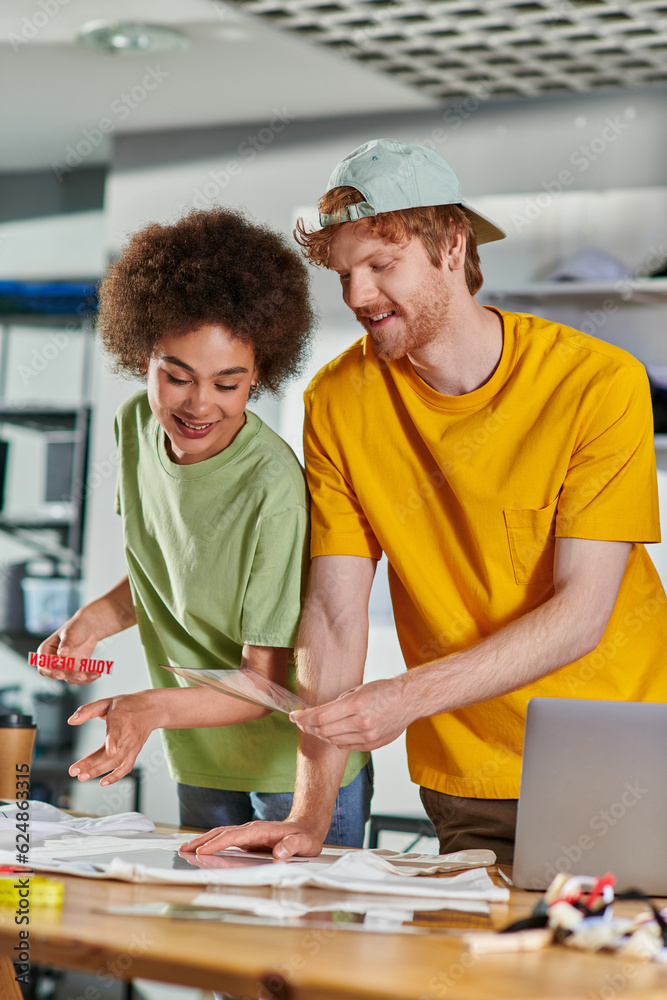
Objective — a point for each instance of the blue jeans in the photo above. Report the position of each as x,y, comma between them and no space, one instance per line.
209,807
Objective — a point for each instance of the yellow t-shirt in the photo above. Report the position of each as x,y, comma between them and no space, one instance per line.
466,494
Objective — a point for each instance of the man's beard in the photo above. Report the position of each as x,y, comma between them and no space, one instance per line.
424,320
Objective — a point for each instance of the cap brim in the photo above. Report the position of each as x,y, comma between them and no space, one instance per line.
485,230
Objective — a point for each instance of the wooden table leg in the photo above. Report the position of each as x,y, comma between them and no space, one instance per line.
9,988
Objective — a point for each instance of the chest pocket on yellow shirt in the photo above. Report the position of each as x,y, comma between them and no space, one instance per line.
531,536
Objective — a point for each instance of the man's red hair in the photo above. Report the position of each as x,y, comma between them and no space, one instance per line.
435,226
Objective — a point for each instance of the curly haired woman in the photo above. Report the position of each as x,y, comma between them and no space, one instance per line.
215,517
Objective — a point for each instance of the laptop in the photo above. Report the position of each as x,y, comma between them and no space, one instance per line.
593,793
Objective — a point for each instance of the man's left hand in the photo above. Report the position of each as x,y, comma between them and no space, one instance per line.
365,718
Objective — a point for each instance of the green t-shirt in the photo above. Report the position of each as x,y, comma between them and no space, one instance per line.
217,556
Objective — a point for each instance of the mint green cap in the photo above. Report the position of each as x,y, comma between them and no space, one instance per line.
393,175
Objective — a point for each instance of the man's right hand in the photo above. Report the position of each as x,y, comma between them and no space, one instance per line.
74,638
284,839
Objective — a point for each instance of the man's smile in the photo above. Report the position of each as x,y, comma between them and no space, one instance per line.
376,320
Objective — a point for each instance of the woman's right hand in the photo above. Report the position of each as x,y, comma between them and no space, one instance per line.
75,638
130,719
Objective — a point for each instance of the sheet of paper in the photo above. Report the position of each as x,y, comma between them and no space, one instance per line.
389,923
288,903
391,916
66,847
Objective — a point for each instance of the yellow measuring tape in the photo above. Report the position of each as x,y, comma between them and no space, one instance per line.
23,892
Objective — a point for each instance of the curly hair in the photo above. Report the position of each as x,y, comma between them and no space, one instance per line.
434,225
210,267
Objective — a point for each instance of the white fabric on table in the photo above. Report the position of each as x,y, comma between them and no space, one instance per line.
358,871
45,818
98,848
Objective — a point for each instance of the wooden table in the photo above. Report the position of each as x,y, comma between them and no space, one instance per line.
276,963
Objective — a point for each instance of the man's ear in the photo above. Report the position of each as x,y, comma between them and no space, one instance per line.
454,255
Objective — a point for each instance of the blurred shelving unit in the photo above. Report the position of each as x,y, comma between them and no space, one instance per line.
624,292
52,528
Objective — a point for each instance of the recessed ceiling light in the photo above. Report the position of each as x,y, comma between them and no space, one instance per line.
131,38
